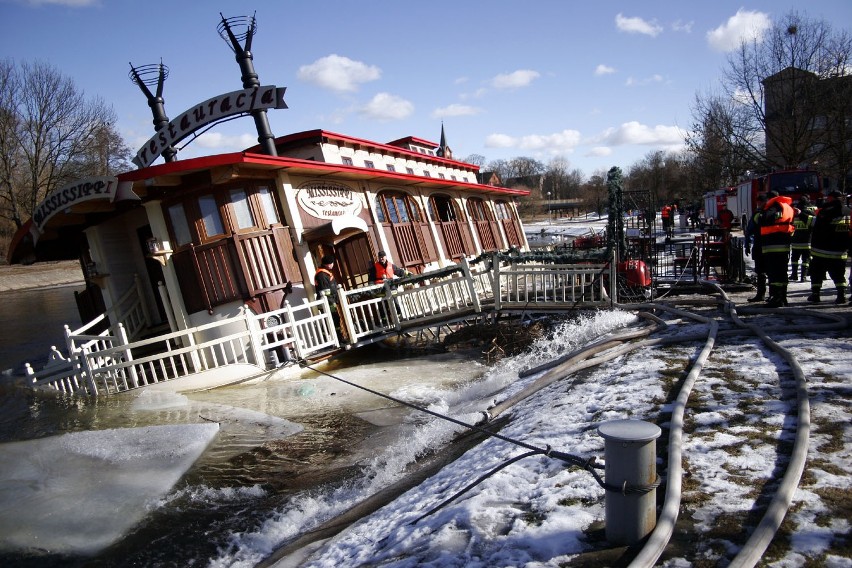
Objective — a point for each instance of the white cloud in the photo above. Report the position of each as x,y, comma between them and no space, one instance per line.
385,106
461,81
456,110
564,141
478,94
519,78
338,73
745,25
219,141
499,141
635,133
604,70
598,152
556,143
685,27
637,26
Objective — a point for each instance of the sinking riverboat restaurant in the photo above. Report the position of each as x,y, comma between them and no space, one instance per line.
201,263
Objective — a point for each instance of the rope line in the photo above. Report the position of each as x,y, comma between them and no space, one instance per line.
568,458
589,464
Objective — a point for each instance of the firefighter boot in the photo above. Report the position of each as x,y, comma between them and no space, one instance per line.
841,295
761,289
814,297
794,274
777,297
804,274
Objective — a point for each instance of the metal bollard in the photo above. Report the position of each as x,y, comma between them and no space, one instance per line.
630,453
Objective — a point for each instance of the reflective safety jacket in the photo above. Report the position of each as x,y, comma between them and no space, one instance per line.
384,272
324,280
804,226
830,238
776,225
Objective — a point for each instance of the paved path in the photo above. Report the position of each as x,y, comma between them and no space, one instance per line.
39,275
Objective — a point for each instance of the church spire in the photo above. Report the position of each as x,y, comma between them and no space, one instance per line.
444,150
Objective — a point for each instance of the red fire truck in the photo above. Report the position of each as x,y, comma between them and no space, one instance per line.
741,199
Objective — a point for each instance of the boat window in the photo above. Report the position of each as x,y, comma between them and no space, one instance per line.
443,209
380,211
478,210
210,216
180,226
502,209
397,207
268,205
242,209
392,213
401,209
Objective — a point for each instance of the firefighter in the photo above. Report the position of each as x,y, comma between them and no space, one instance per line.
829,247
326,285
800,248
752,247
776,232
726,218
383,270
667,216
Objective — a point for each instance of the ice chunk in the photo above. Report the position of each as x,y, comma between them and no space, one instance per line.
80,492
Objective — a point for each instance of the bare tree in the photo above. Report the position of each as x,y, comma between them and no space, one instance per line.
475,159
50,135
724,142
594,191
525,167
780,105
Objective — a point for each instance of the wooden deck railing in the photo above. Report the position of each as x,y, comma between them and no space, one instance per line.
110,362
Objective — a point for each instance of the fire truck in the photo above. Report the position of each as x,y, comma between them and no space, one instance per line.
742,199
714,201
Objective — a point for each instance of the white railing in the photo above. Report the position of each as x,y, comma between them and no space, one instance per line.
104,363
539,285
459,291
109,361
378,309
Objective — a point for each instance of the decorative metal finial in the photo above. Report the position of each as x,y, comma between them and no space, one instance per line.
245,26
145,76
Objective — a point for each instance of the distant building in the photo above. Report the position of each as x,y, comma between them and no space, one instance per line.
809,124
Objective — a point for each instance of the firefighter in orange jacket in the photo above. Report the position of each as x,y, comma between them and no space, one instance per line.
326,285
776,235
667,216
383,270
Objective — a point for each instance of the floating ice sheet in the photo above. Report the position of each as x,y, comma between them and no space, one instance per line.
80,492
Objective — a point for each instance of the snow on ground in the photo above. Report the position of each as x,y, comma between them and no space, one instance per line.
537,512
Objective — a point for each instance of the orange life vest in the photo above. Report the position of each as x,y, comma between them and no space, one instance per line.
326,271
383,272
784,223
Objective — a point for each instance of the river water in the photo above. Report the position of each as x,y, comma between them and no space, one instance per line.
288,454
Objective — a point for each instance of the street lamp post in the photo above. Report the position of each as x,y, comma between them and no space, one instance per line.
549,207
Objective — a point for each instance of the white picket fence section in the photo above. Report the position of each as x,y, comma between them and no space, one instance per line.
108,363
115,361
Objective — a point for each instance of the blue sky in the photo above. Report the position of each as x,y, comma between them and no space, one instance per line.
601,84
